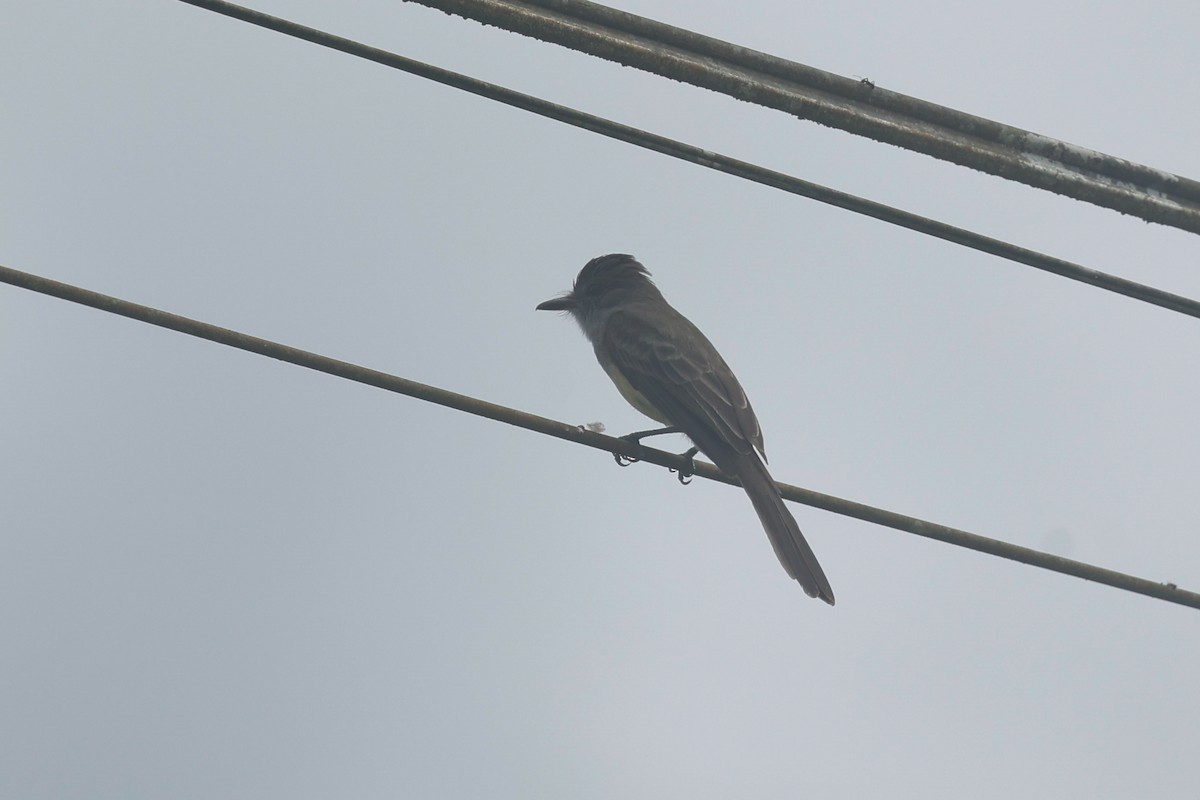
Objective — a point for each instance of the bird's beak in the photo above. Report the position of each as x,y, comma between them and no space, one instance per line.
564,303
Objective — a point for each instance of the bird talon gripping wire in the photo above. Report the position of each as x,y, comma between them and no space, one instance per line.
636,438
624,460
685,474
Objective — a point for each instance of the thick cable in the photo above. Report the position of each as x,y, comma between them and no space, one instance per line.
716,161
859,107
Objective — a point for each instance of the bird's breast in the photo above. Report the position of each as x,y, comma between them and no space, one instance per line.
631,395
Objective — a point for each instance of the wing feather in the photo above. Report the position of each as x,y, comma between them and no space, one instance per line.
674,366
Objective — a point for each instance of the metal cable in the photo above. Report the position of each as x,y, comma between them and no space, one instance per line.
716,161
859,107
392,383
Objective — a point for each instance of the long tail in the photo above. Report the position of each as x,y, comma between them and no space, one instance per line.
789,543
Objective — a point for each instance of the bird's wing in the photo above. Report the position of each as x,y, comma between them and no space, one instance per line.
674,366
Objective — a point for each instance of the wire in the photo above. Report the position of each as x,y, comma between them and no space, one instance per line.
392,383
716,161
859,107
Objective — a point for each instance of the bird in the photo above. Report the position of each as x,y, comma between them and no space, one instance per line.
668,370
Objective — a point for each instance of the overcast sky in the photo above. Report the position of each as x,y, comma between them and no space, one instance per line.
223,576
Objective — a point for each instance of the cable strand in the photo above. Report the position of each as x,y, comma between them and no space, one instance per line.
393,383
858,107
717,161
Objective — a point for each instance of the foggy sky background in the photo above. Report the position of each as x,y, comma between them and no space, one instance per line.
225,576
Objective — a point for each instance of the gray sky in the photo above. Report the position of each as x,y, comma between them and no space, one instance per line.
222,576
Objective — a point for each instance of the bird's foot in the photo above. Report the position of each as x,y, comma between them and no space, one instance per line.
636,438
624,460
685,474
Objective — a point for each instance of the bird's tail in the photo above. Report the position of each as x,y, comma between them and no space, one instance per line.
789,543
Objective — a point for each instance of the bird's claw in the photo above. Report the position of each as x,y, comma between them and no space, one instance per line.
624,460
685,474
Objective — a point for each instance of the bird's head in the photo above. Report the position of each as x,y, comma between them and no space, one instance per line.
603,283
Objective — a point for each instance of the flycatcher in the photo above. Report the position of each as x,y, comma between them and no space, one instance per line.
668,370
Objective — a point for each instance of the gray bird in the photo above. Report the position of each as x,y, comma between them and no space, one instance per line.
668,370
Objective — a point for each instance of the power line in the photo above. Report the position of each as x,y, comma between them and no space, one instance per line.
859,107
392,383
716,161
